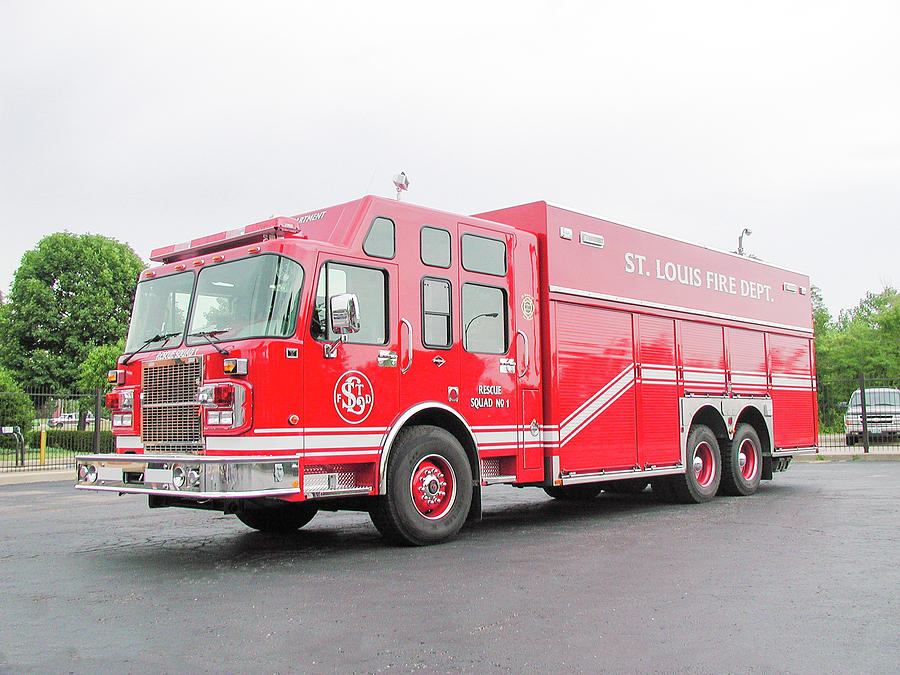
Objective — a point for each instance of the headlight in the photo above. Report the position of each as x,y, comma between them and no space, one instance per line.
122,419
87,473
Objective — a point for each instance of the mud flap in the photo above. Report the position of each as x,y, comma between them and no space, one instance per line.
475,510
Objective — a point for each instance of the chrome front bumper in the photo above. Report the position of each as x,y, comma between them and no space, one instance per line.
191,476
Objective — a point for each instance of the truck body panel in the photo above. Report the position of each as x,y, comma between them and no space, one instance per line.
553,348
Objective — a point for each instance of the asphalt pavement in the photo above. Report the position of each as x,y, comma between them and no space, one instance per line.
799,578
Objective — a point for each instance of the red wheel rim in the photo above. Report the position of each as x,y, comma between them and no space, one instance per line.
433,487
748,459
704,464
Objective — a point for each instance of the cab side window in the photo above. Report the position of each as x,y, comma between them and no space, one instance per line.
484,319
369,284
483,255
380,241
437,331
434,246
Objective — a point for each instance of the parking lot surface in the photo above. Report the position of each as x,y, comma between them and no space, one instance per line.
800,578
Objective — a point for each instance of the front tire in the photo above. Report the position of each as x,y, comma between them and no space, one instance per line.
742,463
700,482
429,489
276,518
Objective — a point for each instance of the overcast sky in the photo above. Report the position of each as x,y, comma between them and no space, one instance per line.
158,122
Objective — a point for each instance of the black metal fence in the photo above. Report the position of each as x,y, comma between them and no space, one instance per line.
860,415
45,430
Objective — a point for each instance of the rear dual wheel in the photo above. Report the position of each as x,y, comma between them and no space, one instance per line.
742,463
429,488
700,482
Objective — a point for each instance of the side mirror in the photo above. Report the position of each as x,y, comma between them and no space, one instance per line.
344,314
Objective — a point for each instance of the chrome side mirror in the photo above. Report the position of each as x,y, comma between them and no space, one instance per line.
344,314
344,320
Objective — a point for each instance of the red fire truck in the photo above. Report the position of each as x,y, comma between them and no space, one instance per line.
386,357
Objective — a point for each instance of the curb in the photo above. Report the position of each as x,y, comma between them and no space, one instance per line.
21,477
870,457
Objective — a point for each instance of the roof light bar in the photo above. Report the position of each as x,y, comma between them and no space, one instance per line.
251,234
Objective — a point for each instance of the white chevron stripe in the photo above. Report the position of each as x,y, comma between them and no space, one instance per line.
598,403
580,410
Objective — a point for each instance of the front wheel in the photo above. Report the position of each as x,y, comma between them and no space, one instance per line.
429,488
700,481
742,463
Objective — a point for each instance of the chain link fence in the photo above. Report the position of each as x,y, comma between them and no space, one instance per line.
860,415
45,430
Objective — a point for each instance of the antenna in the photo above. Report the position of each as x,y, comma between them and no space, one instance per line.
746,233
401,182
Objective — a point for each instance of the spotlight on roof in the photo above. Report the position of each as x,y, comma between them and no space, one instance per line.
401,182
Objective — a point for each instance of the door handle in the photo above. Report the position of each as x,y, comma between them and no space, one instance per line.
525,338
410,352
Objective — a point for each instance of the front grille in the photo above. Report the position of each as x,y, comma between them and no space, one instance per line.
170,413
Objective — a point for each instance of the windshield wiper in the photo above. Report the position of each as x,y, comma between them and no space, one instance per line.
155,338
208,335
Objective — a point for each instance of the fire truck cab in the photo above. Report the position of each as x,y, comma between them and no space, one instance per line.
382,356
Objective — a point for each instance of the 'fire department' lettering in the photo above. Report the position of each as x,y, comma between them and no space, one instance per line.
688,275
311,217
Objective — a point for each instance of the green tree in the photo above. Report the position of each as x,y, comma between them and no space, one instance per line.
100,360
70,294
864,339
16,409
821,315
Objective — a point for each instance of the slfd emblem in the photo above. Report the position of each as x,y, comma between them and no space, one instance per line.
353,397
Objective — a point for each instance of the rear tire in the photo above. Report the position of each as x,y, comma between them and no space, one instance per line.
851,440
703,472
277,518
583,492
742,463
429,488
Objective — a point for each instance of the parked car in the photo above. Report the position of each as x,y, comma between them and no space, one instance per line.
882,415
69,420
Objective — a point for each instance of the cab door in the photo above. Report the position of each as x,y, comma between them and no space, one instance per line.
489,389
351,390
429,352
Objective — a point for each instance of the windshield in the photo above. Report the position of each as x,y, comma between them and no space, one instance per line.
252,297
888,397
160,310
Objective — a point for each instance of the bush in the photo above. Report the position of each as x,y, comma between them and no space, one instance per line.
76,441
